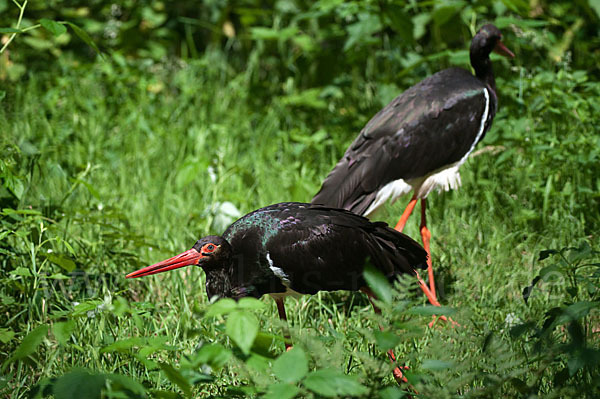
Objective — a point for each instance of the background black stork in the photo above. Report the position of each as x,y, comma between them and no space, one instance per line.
294,248
418,141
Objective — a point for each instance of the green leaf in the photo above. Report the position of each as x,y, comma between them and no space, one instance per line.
391,393
445,11
576,311
330,383
62,331
429,310
378,283
10,30
79,384
595,5
263,343
21,271
436,365
148,345
361,31
242,327
61,260
124,383
221,307
215,355
6,335
176,378
386,339
84,36
281,391
53,27
16,186
28,345
250,303
291,366
546,253
310,98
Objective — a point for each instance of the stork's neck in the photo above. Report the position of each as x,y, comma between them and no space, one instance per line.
218,283
483,69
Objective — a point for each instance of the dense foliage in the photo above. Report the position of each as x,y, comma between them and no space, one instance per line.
129,130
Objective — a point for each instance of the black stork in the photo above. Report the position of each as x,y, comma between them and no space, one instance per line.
418,141
294,248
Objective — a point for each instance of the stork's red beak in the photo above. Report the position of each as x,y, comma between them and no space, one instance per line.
187,258
503,50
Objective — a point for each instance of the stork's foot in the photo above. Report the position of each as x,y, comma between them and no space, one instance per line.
399,375
443,318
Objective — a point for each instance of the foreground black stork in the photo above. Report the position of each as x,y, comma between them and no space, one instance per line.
294,248
418,141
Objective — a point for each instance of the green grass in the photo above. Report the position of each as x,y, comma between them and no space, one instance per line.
121,166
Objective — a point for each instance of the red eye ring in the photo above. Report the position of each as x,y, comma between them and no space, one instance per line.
208,248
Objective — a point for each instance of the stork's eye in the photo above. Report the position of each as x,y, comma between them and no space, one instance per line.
209,248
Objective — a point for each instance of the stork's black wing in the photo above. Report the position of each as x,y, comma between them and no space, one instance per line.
312,248
431,125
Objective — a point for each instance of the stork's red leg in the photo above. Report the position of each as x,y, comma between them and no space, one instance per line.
398,375
399,227
282,316
407,211
426,237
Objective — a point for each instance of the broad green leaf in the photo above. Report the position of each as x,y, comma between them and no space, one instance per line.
124,345
281,391
53,27
10,30
436,365
330,383
258,363
16,186
159,394
429,310
215,355
62,331
28,345
82,308
242,327
310,98
221,307
576,311
516,5
264,342
62,261
10,211
79,384
361,31
123,383
378,283
546,253
595,5
445,11
291,366
176,378
21,271
250,303
6,335
391,393
386,339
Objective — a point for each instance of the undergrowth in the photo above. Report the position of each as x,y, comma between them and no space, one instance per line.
112,166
